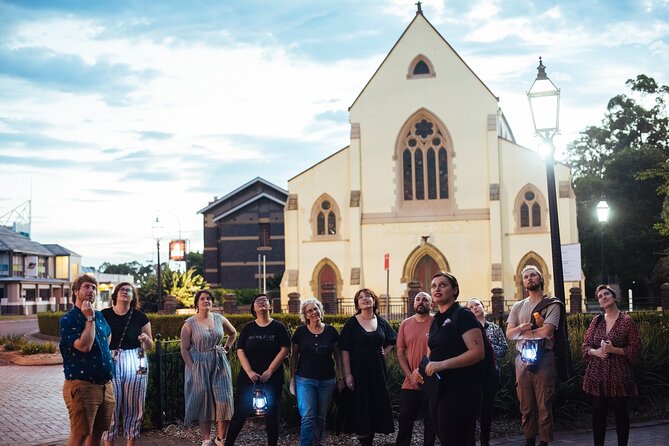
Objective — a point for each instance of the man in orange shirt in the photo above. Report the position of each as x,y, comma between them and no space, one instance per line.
411,347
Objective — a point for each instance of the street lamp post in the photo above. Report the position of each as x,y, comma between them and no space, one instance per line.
544,98
603,217
157,230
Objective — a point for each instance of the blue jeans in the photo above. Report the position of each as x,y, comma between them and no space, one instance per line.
313,402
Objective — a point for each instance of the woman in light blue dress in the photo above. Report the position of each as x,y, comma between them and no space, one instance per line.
207,380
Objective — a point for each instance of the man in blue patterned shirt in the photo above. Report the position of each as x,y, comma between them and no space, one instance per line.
88,366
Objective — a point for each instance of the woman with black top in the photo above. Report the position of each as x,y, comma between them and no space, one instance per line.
364,341
313,356
456,349
131,337
261,348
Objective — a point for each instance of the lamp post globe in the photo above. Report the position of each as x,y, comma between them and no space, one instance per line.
603,211
544,99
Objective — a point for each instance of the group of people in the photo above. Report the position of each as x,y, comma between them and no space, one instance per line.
450,361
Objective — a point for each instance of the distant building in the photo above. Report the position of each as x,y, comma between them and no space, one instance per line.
239,230
34,277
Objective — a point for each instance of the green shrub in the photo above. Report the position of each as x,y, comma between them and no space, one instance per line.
14,344
49,323
33,348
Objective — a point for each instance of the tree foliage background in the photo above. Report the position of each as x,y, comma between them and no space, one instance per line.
626,159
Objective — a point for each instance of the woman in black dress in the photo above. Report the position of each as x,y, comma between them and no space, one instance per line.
456,353
364,341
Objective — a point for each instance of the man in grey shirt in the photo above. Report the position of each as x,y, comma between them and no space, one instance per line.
534,320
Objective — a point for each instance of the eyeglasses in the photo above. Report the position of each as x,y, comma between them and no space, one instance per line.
125,290
261,299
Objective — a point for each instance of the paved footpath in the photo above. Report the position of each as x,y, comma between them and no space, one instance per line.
32,412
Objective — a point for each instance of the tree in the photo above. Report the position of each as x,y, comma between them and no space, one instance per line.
196,260
183,286
624,158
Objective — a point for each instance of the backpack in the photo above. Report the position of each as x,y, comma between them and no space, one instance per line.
560,343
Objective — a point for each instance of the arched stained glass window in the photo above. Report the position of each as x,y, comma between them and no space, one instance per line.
424,162
321,223
332,224
529,203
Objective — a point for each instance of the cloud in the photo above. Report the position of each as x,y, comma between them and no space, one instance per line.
160,136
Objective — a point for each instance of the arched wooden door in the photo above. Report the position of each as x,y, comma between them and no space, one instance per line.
425,269
327,289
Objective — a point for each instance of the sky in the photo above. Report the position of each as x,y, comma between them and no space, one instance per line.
115,113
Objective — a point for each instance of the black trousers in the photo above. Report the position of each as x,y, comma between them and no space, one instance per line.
244,407
600,408
487,404
413,403
454,412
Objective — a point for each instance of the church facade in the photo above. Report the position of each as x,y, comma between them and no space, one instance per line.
433,179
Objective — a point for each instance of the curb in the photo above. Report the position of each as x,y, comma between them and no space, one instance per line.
37,336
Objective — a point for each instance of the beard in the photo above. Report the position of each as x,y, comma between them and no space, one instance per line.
533,287
422,309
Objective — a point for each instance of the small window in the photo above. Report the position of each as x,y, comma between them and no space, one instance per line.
263,234
421,68
529,204
30,294
325,213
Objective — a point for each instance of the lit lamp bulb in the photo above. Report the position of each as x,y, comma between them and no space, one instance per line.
259,401
528,353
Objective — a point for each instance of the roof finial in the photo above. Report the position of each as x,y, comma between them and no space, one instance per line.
420,10
541,70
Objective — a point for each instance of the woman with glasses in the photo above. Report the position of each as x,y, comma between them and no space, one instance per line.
314,354
263,345
207,377
365,340
131,337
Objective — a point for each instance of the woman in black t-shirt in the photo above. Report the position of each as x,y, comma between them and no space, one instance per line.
313,378
261,348
131,336
456,349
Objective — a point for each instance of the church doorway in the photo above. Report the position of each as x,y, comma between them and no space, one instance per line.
327,289
425,269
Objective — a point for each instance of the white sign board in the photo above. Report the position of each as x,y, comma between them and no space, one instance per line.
571,262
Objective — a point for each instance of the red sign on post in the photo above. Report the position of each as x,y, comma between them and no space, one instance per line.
386,262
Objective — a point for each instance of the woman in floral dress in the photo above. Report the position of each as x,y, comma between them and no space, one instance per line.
610,348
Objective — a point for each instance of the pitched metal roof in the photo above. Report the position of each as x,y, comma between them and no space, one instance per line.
241,188
12,241
60,250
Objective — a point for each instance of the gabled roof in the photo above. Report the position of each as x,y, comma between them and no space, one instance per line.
320,162
60,250
239,189
12,241
398,41
246,203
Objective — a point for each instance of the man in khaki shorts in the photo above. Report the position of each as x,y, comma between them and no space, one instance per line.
88,366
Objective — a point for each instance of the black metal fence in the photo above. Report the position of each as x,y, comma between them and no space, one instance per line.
165,398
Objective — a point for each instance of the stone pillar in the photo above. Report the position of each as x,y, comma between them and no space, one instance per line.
414,288
294,303
575,300
230,303
664,293
169,305
274,297
497,306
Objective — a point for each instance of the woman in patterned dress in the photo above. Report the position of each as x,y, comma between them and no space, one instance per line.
610,348
207,380
497,339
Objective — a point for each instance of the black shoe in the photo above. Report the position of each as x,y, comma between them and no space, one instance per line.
543,443
530,441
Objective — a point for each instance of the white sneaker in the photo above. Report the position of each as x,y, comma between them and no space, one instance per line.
219,442
206,443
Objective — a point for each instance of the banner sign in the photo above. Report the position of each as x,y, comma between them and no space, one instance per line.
178,250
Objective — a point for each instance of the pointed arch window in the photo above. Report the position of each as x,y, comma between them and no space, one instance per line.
530,209
424,162
325,217
420,67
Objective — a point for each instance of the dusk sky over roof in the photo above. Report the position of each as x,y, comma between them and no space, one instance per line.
112,111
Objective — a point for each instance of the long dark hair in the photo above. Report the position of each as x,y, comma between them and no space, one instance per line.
371,294
134,303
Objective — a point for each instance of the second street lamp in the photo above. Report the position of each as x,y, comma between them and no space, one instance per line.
603,217
544,98
157,230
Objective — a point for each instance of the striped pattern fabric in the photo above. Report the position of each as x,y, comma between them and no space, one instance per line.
130,392
208,383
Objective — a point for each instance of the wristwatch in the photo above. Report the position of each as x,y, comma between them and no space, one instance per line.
90,318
